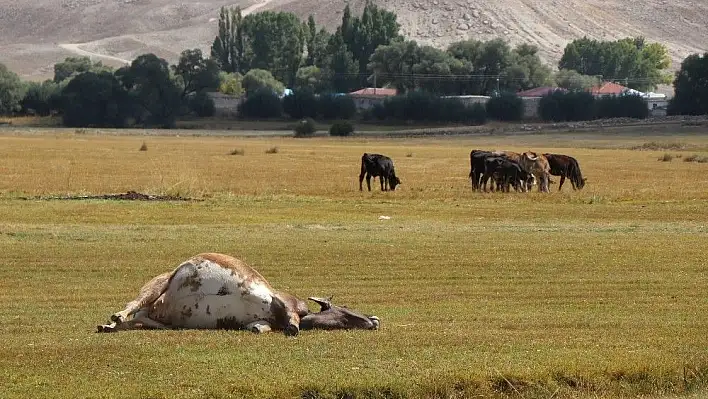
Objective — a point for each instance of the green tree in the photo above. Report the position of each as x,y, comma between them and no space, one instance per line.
574,80
153,90
195,73
228,47
630,61
394,63
40,97
259,79
341,71
95,100
691,86
231,83
525,70
72,66
312,78
485,62
375,27
275,41
12,90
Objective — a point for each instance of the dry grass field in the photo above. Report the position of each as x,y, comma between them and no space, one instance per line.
600,293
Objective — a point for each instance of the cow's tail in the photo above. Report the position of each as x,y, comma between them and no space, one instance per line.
575,174
363,165
471,164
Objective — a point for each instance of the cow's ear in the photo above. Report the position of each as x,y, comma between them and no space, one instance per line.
325,303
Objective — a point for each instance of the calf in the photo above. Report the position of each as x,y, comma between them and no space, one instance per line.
373,165
505,173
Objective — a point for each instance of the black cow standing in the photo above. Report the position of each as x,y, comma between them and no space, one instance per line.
373,165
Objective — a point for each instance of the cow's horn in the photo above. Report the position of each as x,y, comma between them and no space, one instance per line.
325,303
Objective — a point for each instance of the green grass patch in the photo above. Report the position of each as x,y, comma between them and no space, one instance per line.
598,293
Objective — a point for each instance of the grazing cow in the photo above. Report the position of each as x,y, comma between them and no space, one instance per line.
506,174
216,291
566,166
537,165
373,165
477,158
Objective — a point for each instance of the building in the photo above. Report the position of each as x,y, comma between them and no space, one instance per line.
367,97
540,91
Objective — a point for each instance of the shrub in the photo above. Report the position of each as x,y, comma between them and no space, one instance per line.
202,105
261,104
300,104
305,128
477,114
237,151
331,106
144,147
506,107
561,106
666,157
341,129
272,150
629,106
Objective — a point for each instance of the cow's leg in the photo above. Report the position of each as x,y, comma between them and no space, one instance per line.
543,187
137,323
368,181
383,181
149,293
259,327
560,185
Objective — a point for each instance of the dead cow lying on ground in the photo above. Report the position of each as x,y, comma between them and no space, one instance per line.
216,291
373,165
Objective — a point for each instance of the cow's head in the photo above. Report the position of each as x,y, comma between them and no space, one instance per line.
394,181
581,183
332,317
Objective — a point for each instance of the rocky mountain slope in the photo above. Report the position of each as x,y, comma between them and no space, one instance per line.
34,35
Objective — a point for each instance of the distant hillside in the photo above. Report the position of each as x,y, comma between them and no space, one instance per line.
34,35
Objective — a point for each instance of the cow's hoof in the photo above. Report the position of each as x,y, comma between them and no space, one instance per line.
291,330
106,328
117,318
375,321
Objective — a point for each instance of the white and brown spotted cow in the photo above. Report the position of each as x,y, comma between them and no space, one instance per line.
216,291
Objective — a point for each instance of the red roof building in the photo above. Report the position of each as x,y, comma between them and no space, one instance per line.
374,91
608,89
539,91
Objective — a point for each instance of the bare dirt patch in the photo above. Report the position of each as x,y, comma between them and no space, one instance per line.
128,196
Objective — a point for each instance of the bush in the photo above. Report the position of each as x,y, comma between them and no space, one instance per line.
628,106
39,97
561,106
341,129
477,114
331,106
300,104
261,104
424,106
506,107
95,100
202,105
305,128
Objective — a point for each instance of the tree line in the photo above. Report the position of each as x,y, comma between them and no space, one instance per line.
273,50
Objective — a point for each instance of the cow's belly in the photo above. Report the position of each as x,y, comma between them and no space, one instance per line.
206,295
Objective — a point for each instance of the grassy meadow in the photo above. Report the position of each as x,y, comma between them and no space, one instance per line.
599,293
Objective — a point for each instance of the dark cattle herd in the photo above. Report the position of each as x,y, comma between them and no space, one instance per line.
506,169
